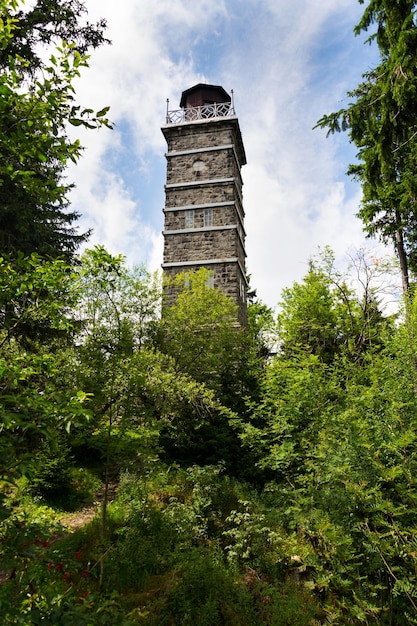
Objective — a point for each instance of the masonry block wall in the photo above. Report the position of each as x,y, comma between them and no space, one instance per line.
204,216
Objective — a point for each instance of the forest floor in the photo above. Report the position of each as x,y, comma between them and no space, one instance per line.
75,520
78,519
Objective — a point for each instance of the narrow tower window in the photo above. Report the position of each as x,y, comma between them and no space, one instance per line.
189,218
208,217
242,291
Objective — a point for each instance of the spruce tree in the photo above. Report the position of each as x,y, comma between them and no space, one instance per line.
36,104
381,121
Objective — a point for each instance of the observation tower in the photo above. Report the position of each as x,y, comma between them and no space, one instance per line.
204,216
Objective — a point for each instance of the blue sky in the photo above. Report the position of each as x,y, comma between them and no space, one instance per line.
288,63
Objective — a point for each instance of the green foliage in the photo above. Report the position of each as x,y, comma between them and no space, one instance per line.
45,23
35,401
48,577
33,408
37,297
286,424
381,123
35,109
67,610
50,477
199,330
312,318
331,423
54,479
338,430
117,313
177,565
323,316
262,327
206,592
118,306
90,374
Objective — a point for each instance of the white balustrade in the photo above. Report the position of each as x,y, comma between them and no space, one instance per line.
207,111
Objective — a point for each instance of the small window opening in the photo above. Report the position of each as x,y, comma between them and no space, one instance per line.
208,217
189,218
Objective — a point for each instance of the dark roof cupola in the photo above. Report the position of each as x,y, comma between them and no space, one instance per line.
203,94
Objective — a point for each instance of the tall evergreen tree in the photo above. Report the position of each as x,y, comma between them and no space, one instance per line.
381,121
36,104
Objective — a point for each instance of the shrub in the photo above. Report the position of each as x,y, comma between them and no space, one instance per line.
205,592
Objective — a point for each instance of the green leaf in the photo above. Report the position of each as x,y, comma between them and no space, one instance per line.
103,112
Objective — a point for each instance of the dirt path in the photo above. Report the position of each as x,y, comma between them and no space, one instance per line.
76,520
80,518
73,521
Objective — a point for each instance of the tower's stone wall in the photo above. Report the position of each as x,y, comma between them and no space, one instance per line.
201,194
197,166
226,278
198,246
222,216
203,134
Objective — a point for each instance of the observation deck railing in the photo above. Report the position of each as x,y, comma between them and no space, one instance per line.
204,112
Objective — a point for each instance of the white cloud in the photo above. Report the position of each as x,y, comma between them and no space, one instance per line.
134,76
295,190
273,55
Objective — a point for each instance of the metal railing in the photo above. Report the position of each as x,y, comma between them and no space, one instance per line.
205,112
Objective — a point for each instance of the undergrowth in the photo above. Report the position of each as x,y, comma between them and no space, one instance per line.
175,552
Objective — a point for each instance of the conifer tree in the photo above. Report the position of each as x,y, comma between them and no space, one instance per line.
381,121
36,104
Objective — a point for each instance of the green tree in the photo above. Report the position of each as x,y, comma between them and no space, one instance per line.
200,333
137,392
323,316
36,105
142,383
44,23
357,489
37,401
381,121
339,435
199,330
117,313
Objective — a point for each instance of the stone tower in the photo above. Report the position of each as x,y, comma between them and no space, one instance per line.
203,207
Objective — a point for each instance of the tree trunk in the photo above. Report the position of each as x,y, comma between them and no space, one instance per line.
402,255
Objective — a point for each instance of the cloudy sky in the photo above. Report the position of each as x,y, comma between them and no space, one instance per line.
288,62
